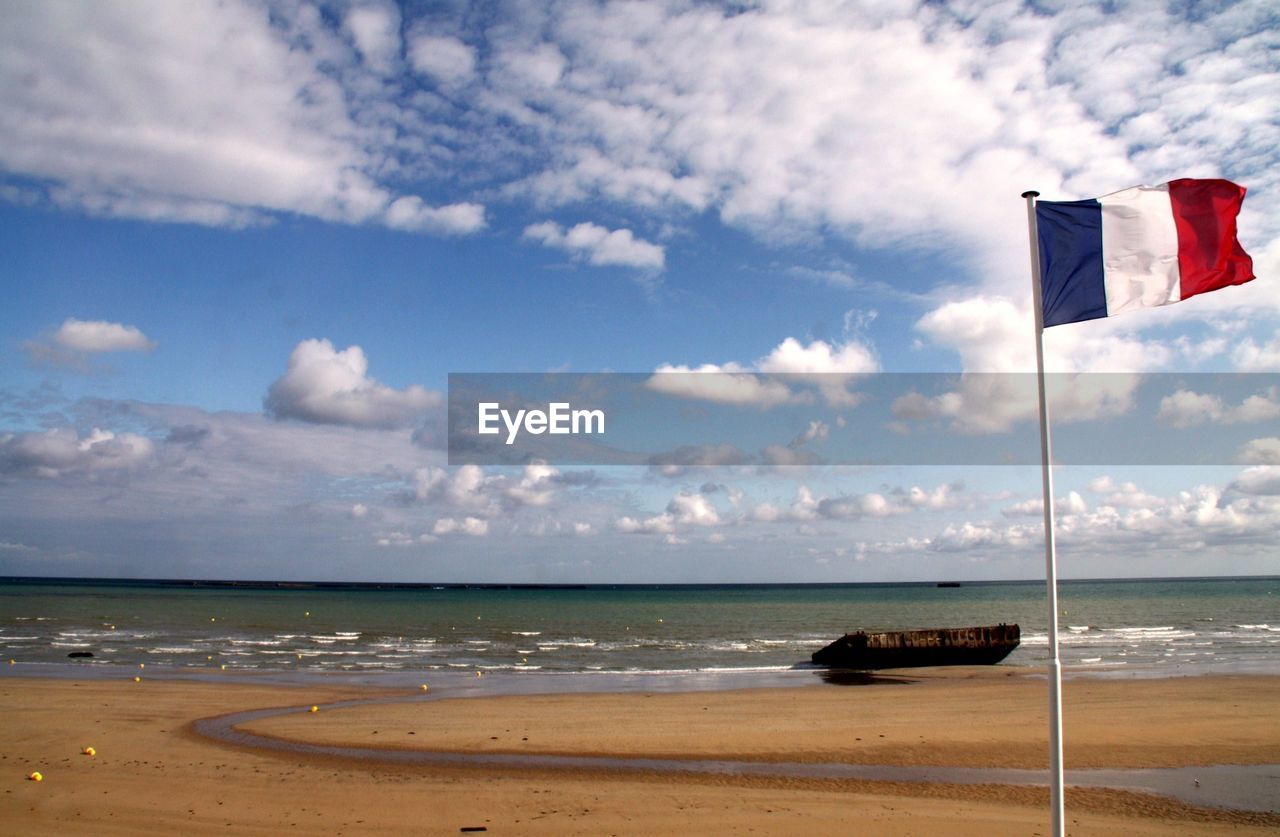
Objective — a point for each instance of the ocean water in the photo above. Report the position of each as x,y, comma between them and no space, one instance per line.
1143,628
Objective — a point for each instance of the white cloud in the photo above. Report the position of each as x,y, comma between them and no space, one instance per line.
1073,503
1190,409
1249,356
535,68
472,526
326,386
720,384
830,368
446,59
989,334
468,489
994,339
409,213
73,343
219,113
992,334
994,403
817,431
1026,508
193,466
969,536
537,485
400,538
598,245
886,123
1263,479
855,506
1260,452
9,546
376,31
693,510
1187,409
657,107
809,507
679,101
552,526
1201,350
947,496
1185,520
1123,495
395,539
797,452
657,525
676,104
1262,407
819,357
93,336
59,452
253,452
685,509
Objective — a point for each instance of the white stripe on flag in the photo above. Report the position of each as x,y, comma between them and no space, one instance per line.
1139,249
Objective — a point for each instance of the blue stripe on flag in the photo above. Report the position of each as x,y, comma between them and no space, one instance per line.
1071,280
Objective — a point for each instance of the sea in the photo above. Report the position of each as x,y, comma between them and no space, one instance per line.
397,634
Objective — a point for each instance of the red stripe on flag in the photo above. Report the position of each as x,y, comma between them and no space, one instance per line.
1209,255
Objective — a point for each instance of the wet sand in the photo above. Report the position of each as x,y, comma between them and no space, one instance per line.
153,773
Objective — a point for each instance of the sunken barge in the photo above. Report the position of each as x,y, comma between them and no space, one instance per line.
862,651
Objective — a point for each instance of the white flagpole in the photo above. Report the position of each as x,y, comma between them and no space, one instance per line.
1050,558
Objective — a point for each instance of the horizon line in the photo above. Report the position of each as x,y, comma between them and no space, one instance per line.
282,584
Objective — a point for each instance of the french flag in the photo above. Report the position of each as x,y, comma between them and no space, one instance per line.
1138,248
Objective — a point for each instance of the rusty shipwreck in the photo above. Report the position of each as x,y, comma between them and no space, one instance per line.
910,649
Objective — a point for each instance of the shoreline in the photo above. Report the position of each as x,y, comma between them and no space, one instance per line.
151,773
515,681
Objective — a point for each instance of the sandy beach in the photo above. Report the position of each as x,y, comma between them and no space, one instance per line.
152,773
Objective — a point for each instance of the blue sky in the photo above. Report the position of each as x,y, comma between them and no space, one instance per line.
246,243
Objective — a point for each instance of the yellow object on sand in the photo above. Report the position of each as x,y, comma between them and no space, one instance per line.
137,680
89,751
315,709
424,687
36,777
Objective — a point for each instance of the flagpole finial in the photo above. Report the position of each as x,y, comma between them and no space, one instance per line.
1031,193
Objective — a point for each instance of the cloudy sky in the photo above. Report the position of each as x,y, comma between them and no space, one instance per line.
245,243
